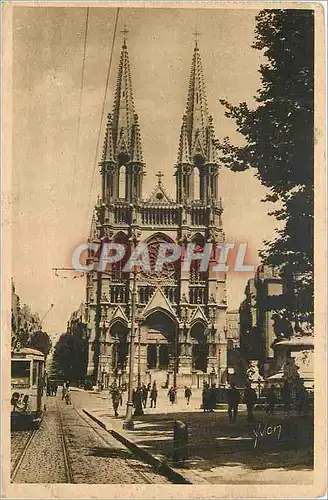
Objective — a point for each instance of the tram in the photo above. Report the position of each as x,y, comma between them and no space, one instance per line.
27,387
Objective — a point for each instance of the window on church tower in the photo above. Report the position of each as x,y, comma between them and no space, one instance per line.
196,184
122,182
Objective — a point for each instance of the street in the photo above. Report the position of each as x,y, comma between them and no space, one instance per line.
70,448
274,449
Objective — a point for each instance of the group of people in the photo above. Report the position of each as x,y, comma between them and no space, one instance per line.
139,398
52,388
271,399
209,397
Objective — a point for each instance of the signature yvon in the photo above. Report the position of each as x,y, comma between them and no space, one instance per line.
265,430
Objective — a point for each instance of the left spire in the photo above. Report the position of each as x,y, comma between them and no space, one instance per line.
122,141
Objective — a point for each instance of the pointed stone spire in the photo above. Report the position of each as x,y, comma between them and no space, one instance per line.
93,226
122,163
197,137
184,153
123,108
196,110
108,151
211,151
136,149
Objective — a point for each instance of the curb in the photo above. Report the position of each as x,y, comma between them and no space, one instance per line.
158,464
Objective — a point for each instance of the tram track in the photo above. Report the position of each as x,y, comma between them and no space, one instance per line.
22,455
68,447
106,441
68,467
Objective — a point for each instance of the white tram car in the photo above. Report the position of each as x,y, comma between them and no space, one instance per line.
27,387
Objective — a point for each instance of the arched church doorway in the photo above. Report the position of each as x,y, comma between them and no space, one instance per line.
119,336
161,341
200,349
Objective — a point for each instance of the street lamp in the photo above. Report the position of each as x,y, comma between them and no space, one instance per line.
128,423
139,354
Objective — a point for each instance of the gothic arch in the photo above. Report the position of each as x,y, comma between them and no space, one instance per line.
159,235
161,338
163,311
120,236
122,321
198,238
200,321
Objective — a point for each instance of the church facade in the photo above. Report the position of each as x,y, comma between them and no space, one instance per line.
180,316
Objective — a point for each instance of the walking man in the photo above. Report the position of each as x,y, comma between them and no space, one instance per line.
144,395
153,396
271,399
250,399
116,398
233,402
188,394
171,394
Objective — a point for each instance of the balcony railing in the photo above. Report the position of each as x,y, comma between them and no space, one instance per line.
197,294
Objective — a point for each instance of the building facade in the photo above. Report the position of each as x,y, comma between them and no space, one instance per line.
180,315
263,296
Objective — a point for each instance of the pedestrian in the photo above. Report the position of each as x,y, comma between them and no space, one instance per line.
172,394
68,396
302,399
116,398
271,399
137,401
144,395
55,388
286,396
250,398
233,402
64,392
153,396
188,394
206,397
212,398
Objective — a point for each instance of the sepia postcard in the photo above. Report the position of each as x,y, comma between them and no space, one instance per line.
163,250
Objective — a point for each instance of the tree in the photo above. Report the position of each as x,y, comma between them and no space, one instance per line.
41,341
279,145
70,357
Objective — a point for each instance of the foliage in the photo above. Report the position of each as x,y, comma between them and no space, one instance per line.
70,357
279,145
41,341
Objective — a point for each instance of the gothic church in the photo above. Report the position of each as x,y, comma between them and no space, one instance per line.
180,321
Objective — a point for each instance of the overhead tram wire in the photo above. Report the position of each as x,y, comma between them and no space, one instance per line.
103,106
80,97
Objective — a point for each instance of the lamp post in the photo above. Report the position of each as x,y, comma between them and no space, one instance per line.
128,423
139,354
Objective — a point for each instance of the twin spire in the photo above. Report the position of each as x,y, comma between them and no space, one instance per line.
123,141
197,131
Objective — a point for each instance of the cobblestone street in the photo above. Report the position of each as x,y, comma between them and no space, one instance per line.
69,447
219,452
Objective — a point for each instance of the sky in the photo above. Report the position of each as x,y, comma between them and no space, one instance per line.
53,167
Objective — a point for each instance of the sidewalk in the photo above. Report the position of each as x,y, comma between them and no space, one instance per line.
219,452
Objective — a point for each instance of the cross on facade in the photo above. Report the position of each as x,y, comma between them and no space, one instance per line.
125,31
196,34
159,175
